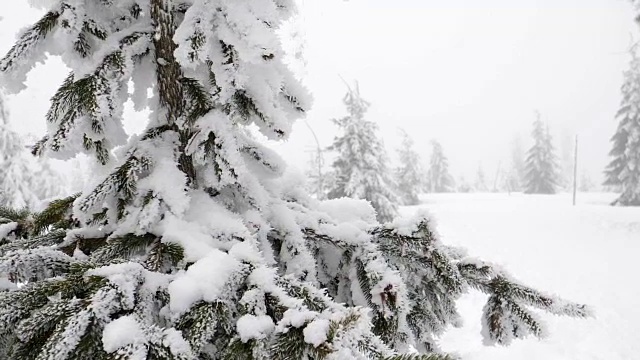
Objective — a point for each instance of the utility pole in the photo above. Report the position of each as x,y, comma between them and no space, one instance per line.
575,171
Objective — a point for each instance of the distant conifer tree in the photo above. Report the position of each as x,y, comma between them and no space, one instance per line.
24,182
408,173
480,184
541,164
360,168
438,178
623,171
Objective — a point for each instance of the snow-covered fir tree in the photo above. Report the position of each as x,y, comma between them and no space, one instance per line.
316,181
438,178
360,167
480,183
408,173
17,170
541,175
194,244
623,171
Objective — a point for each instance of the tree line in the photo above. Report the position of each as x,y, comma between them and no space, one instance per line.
361,168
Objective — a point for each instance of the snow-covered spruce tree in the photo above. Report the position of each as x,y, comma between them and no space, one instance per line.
480,183
17,178
408,173
438,178
194,245
624,169
319,180
541,175
360,166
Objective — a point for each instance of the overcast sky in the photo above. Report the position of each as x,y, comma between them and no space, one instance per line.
466,72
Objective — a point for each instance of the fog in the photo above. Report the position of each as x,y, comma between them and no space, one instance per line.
467,73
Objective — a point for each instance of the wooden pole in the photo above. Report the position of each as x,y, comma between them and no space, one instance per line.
575,171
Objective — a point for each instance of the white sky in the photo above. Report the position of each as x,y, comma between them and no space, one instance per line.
469,73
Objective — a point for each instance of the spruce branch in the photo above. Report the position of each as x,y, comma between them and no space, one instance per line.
295,103
49,239
122,181
82,44
237,349
90,344
57,215
200,323
505,315
198,100
313,299
34,264
8,215
528,296
19,219
124,247
19,304
34,331
84,97
197,40
365,284
163,256
289,345
247,109
254,151
29,40
313,236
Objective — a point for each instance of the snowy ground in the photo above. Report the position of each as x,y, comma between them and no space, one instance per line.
589,253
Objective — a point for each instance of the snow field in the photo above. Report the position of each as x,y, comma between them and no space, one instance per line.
587,253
